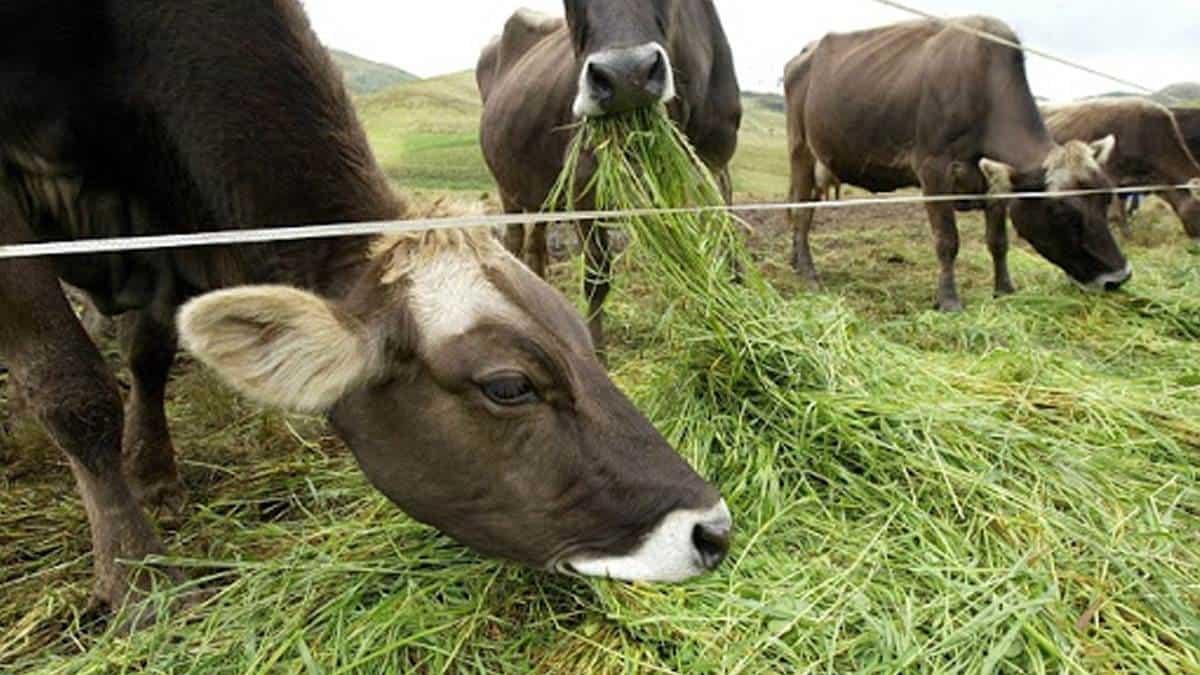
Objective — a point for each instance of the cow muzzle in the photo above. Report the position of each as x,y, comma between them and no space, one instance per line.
622,80
686,543
1111,281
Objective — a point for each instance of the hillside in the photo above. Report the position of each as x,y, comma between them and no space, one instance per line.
426,135
1179,94
367,77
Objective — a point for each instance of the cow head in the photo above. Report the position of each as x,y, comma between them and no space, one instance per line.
1071,232
622,51
470,394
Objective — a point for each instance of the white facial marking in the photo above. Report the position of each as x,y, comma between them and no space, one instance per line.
667,555
1100,283
586,103
449,295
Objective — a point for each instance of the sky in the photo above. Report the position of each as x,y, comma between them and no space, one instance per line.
1153,44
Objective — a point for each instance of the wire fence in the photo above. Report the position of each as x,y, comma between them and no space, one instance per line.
336,230
990,37
264,235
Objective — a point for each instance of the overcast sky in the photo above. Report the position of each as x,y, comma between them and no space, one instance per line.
1154,44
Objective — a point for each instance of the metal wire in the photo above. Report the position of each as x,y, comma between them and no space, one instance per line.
1015,45
309,232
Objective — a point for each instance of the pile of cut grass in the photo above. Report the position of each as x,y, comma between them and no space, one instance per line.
1015,489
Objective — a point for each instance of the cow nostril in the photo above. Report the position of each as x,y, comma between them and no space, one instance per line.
656,75
601,83
712,541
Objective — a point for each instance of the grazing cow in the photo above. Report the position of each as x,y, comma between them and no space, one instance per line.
466,387
923,104
1152,150
607,57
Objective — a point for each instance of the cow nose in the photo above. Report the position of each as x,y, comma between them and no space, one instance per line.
712,542
623,80
1116,283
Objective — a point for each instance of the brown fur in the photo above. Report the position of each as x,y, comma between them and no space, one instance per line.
1189,125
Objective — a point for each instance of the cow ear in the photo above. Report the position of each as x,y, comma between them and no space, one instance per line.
281,346
999,176
1194,184
1103,149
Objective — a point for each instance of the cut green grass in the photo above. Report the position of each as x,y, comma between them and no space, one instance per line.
1015,489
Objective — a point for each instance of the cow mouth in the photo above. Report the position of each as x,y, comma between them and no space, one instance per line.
1108,282
685,544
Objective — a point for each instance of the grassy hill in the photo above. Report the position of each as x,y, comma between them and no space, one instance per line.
426,135
367,77
1183,93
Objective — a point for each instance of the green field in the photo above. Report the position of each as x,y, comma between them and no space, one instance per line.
1015,489
426,134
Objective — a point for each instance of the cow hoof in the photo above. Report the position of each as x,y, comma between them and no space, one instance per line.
163,498
1005,290
812,280
141,610
950,305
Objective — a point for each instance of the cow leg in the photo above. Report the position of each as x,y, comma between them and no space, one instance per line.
514,240
148,455
725,183
539,253
802,190
997,240
597,278
73,395
945,233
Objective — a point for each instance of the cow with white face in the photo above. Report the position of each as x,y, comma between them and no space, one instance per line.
469,391
467,388
606,57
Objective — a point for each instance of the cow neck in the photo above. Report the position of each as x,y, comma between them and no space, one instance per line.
1017,133
1025,147
328,267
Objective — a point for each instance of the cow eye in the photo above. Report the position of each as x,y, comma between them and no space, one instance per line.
510,390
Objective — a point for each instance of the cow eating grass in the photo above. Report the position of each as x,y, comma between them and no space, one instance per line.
607,57
925,104
1152,151
466,387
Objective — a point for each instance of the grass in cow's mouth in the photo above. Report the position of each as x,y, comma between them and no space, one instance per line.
1012,490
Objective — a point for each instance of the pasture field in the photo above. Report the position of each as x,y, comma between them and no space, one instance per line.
1013,489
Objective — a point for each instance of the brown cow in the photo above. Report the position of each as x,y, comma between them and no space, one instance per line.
923,104
1152,150
466,387
606,57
